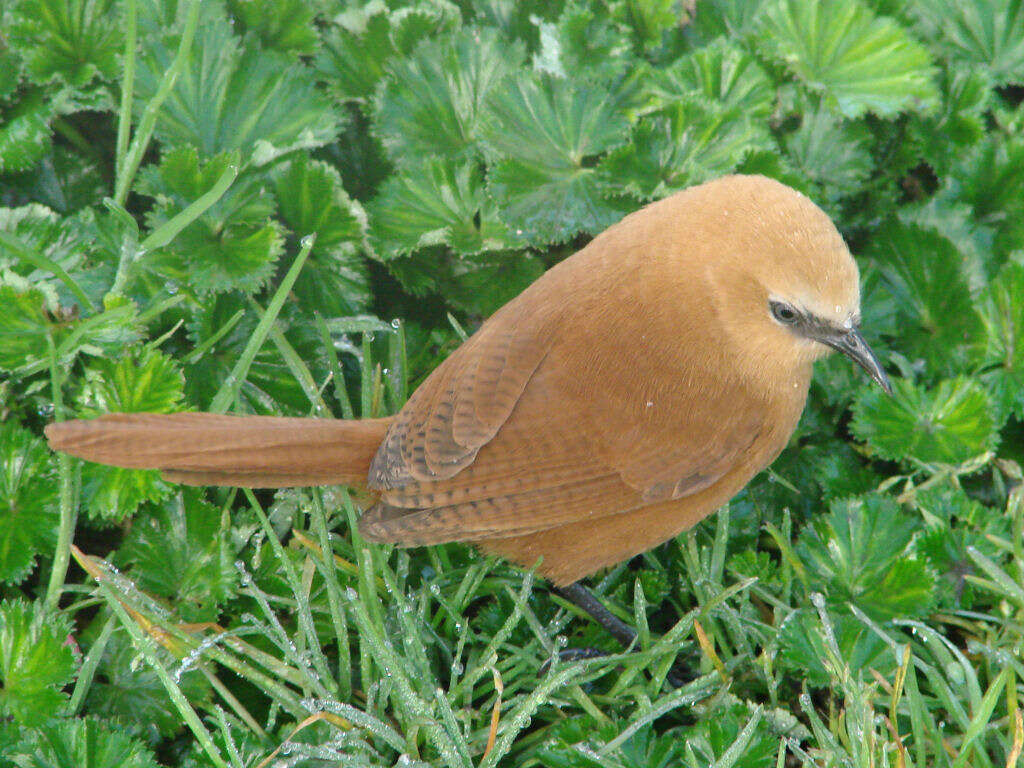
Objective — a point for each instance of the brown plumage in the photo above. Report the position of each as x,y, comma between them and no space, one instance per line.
625,395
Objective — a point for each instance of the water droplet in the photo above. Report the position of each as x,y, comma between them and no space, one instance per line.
396,323
171,287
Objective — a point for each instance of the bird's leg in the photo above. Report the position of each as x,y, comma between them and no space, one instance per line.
579,595
582,597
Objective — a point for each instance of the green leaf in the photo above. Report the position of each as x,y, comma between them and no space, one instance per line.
586,38
24,327
431,101
948,424
147,383
311,200
936,318
182,551
286,26
991,180
439,203
35,661
25,131
131,693
232,245
547,132
360,42
649,20
721,72
859,553
480,285
713,736
959,121
234,95
682,145
578,743
269,387
84,743
74,40
955,522
63,180
985,36
28,501
803,645
857,61
832,153
1002,310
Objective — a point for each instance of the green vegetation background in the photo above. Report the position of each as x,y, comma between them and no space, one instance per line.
162,168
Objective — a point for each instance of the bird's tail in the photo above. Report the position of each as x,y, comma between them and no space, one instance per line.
213,449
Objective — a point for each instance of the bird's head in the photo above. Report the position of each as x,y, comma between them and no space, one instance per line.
787,288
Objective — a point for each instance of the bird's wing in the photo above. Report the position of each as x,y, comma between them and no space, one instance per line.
459,407
557,460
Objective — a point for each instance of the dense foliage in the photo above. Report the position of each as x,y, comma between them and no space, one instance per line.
224,204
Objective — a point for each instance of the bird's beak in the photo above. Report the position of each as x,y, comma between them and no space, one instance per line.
852,344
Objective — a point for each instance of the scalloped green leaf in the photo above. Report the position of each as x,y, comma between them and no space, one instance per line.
25,134
287,26
39,229
986,36
947,424
183,551
860,62
438,203
803,648
682,145
148,383
547,132
860,552
991,179
1002,311
956,522
721,72
936,313
431,101
29,515
959,122
731,19
478,284
233,245
648,20
832,153
234,95
63,180
714,738
360,42
35,661
29,316
73,40
311,200
24,327
84,743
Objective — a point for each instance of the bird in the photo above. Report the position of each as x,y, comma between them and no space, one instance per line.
630,391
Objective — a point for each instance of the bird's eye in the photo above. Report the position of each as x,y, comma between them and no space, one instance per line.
784,313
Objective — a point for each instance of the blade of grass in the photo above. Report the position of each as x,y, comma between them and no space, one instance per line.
228,391
148,648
